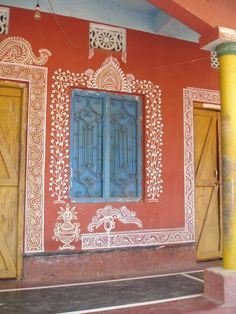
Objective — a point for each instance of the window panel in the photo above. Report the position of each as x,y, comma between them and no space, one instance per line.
123,148
105,147
87,155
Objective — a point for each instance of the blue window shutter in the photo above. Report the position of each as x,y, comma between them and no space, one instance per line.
124,142
105,147
87,145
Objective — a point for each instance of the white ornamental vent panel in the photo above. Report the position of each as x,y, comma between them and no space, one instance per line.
4,20
108,38
214,60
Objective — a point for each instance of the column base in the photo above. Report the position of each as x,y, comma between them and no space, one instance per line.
220,285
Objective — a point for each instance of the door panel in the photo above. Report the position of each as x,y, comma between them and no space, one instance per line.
12,176
207,184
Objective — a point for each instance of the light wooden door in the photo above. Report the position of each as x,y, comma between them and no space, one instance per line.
13,105
208,190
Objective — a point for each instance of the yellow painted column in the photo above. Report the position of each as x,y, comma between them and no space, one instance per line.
227,58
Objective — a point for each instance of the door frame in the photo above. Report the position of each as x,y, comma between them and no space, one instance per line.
36,78
22,176
191,95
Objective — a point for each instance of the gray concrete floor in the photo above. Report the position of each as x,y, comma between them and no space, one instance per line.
104,296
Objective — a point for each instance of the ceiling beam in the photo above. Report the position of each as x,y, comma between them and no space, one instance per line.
169,26
183,10
201,15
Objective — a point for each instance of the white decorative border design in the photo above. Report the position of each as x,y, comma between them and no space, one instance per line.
134,238
191,95
167,236
18,50
34,210
108,77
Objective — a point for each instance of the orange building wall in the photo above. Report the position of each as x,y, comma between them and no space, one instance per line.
171,64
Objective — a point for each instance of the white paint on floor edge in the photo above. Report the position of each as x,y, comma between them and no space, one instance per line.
98,282
126,306
192,277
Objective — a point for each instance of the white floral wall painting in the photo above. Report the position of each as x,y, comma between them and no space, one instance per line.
68,230
18,52
112,78
107,217
59,149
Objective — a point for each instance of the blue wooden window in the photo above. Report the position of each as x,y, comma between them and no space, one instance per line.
105,147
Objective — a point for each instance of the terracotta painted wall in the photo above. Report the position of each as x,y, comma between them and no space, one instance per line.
168,63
